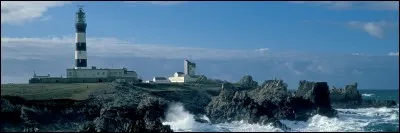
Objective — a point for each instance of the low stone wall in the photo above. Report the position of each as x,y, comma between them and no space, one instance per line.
77,80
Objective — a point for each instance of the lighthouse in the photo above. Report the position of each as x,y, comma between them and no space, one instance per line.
80,41
80,73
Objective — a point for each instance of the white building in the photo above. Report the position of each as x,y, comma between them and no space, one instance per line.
101,73
180,77
160,80
148,81
187,76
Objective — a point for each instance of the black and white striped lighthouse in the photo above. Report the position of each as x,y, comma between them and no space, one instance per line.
80,51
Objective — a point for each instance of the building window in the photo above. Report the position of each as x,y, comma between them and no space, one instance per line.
103,73
120,73
70,73
98,73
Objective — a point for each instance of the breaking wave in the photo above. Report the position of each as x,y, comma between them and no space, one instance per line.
357,120
367,95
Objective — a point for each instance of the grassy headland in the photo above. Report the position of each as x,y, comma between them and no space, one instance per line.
77,91
80,91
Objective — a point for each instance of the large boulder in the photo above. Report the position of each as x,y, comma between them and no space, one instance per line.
9,112
259,105
349,94
247,82
350,97
270,102
318,93
146,117
274,91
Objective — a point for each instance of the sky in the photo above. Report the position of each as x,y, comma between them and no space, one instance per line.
332,41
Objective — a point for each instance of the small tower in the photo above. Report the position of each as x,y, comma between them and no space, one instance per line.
80,42
189,68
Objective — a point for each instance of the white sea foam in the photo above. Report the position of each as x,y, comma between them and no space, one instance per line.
349,120
181,120
367,95
178,118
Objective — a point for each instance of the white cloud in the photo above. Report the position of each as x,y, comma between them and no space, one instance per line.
20,12
47,48
375,29
45,18
263,50
393,53
289,65
357,72
357,54
370,5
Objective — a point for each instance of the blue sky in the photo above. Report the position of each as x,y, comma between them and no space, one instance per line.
286,32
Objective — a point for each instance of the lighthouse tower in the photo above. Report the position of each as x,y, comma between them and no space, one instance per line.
80,42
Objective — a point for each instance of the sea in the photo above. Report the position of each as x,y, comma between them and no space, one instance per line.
349,120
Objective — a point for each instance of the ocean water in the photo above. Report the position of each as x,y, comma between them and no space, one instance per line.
380,94
350,120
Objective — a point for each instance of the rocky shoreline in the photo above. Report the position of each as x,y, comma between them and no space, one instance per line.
132,108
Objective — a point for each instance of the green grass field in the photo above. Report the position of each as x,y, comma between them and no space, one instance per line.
77,91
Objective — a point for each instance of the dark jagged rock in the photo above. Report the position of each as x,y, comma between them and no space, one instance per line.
45,115
274,91
87,127
232,104
144,118
269,103
318,93
350,97
134,108
247,82
9,112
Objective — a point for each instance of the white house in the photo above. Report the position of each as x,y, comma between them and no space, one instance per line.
148,81
180,77
160,80
186,76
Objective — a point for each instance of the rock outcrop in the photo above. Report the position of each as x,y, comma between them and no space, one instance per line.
247,82
109,110
269,103
349,94
318,93
350,97
33,117
140,108
43,115
144,118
